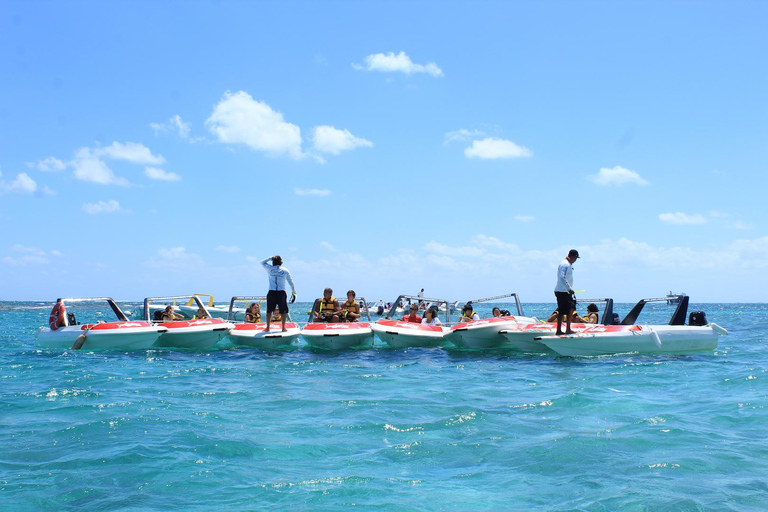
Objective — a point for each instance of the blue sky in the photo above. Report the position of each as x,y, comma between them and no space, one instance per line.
155,148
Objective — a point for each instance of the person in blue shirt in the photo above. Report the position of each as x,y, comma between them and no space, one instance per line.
566,304
276,296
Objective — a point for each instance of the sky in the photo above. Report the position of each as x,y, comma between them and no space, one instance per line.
164,148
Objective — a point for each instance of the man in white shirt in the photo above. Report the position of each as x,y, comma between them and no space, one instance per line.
566,304
276,296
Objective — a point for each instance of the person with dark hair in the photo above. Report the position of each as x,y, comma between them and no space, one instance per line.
468,314
592,316
430,317
253,313
276,296
169,315
566,304
327,308
496,312
350,309
413,317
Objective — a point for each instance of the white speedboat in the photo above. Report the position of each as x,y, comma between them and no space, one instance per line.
64,331
339,336
527,337
254,334
486,333
194,334
402,334
673,338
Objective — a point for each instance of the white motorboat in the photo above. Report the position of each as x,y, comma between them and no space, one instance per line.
194,334
486,333
402,334
673,338
255,334
64,331
526,337
341,335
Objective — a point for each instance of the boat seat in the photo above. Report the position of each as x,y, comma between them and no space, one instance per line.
71,320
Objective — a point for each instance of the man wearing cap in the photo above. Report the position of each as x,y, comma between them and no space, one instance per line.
276,296
566,304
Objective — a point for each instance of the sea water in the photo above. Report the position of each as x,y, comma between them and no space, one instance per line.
384,429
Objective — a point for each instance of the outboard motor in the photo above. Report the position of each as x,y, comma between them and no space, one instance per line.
616,319
698,318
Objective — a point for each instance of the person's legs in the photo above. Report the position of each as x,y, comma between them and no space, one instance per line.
271,303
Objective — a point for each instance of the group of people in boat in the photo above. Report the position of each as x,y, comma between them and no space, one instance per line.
327,309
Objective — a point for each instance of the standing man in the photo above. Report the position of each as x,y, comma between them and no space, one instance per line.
276,296
566,304
421,297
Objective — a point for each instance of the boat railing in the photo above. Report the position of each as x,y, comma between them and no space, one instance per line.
607,318
364,308
153,300
248,298
487,299
121,317
420,300
678,317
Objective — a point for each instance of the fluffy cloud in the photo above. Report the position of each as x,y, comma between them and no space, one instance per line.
312,192
492,148
616,176
110,206
462,135
159,174
232,249
22,255
130,152
89,167
239,119
680,218
49,164
23,184
400,63
331,140
175,125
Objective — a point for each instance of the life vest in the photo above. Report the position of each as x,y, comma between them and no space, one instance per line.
350,307
464,318
252,317
56,318
326,305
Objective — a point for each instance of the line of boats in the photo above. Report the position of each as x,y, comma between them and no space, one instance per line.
514,332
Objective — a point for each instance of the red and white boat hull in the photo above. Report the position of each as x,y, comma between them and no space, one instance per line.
400,334
204,333
109,335
254,335
338,336
485,333
525,337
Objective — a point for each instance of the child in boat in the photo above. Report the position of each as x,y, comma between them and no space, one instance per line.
253,313
350,309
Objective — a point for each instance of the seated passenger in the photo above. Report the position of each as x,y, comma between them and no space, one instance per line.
253,313
327,308
553,316
592,316
276,317
576,319
169,315
467,314
430,317
414,317
350,309
200,314
496,312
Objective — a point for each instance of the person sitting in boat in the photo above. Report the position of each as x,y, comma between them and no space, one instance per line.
575,318
169,315
592,316
553,316
468,314
200,314
253,313
276,316
327,308
496,312
413,317
430,317
350,309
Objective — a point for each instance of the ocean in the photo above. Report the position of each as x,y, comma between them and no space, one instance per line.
384,429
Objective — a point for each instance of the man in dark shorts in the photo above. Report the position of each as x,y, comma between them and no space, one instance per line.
566,303
276,296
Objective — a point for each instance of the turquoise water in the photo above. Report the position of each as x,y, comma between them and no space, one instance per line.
384,429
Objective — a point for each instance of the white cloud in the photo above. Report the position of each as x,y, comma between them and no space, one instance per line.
159,174
130,152
400,63
331,140
492,148
110,206
23,184
312,192
681,219
49,164
176,259
232,249
326,245
174,124
616,176
89,167
239,119
29,256
462,135
524,218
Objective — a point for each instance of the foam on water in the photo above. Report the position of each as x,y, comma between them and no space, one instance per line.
415,429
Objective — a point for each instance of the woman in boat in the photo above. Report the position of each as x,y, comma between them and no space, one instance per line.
200,314
253,313
350,309
430,317
327,308
496,312
468,314
169,315
413,317
592,316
